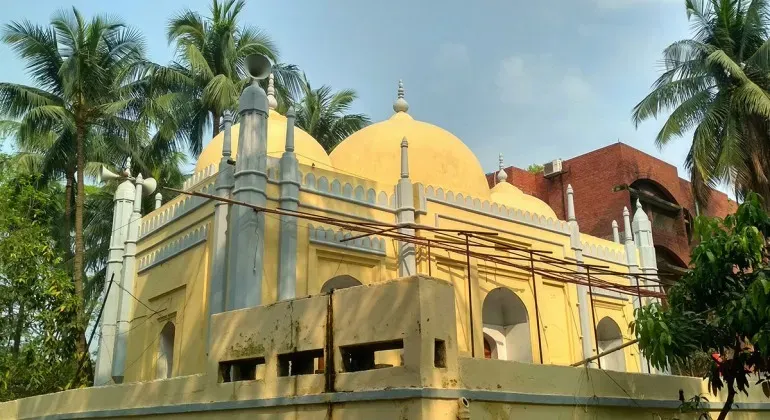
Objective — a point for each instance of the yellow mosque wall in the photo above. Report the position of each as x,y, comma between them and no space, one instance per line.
176,288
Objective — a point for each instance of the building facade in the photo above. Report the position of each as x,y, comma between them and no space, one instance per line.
615,176
385,280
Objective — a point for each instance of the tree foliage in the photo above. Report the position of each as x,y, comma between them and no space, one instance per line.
535,168
324,115
37,300
716,85
721,306
211,66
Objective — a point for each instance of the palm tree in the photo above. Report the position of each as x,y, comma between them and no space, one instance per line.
83,74
717,85
323,114
211,65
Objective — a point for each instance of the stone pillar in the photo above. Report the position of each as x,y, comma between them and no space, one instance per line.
633,268
287,242
584,304
124,197
158,200
126,302
224,186
246,230
615,233
407,265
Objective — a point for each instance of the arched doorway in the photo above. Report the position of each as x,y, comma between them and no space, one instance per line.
165,364
506,324
608,335
339,282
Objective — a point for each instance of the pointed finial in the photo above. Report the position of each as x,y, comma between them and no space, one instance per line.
400,105
570,204
627,226
639,214
272,103
404,158
501,175
615,233
158,200
291,115
227,148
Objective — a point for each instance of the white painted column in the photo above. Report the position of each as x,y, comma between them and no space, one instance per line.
633,268
224,186
407,265
584,304
124,197
126,303
287,242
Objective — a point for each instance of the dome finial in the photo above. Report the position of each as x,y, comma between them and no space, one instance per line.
501,175
272,103
400,105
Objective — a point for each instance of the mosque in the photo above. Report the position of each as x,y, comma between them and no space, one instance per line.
383,280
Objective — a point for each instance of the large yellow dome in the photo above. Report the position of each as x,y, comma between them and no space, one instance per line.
436,156
308,150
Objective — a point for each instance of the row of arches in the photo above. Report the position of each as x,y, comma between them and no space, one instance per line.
507,331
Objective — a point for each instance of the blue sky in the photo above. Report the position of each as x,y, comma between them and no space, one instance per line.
534,80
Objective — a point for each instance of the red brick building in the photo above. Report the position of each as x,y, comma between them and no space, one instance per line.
607,179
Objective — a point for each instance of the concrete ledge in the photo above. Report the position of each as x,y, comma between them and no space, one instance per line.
395,394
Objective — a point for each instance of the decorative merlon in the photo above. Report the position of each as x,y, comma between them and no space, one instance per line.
496,210
175,209
369,244
199,177
174,248
604,253
347,191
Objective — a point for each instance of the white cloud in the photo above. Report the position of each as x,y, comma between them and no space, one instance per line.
539,81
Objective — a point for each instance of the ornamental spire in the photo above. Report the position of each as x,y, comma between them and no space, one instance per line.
400,105
272,103
501,175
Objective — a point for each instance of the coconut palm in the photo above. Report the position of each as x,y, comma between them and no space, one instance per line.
324,114
211,67
82,73
716,84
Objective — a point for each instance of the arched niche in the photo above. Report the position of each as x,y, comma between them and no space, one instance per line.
506,325
339,282
165,360
608,335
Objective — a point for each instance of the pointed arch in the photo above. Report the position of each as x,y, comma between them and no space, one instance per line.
609,336
165,362
506,325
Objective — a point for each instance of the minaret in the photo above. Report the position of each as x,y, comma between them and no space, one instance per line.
124,198
405,213
642,228
615,233
224,186
584,305
290,182
501,175
126,301
246,230
633,268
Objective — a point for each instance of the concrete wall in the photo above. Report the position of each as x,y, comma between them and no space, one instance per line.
412,309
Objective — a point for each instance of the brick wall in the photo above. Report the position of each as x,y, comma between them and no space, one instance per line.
594,177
